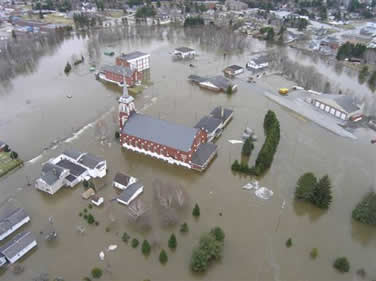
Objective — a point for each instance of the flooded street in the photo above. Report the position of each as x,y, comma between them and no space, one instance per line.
37,117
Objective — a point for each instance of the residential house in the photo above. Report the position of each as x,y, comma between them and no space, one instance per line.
117,74
130,193
19,246
258,63
233,70
52,178
216,83
135,60
12,220
184,53
122,181
341,106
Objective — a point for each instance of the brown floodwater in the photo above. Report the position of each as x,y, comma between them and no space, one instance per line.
35,112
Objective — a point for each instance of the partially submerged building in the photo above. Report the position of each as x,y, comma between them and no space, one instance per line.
122,181
12,220
135,60
184,53
216,83
173,143
130,193
233,70
20,245
258,63
69,169
120,75
340,106
3,146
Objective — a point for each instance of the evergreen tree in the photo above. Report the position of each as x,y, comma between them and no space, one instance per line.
172,243
196,211
145,248
218,234
342,264
14,155
247,147
322,194
305,187
184,228
163,258
365,211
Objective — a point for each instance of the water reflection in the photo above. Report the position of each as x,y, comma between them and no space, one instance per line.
306,209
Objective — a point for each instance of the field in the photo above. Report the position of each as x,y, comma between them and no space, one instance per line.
51,18
7,164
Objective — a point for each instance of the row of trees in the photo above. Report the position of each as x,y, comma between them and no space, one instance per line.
210,249
365,74
193,21
265,157
83,20
349,50
145,12
365,211
268,33
317,192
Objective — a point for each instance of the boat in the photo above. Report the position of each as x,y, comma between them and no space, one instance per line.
109,53
92,68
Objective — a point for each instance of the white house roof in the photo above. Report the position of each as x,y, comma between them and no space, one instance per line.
10,218
17,244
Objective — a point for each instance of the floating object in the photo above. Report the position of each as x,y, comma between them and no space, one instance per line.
251,185
112,248
88,193
69,96
373,141
235,141
101,256
91,69
283,91
264,193
191,65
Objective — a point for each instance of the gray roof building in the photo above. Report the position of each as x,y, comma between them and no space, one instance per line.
234,67
217,113
118,69
11,220
132,55
130,191
74,169
220,82
121,179
22,243
345,103
203,154
208,123
160,132
72,153
51,173
89,160
184,49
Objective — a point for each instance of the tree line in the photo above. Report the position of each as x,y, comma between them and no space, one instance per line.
349,50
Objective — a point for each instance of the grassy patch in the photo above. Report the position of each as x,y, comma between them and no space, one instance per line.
7,164
116,14
51,18
136,90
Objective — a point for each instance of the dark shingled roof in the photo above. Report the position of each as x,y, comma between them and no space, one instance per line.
184,49
121,179
208,123
234,67
122,70
72,153
217,112
9,218
90,160
196,78
203,153
70,178
160,131
132,55
17,244
51,173
73,168
130,191
218,81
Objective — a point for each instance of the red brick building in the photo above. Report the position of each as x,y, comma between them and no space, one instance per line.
135,60
118,74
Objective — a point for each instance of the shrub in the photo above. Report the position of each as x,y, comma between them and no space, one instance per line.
289,243
96,272
193,21
314,253
117,135
305,186
145,248
163,258
196,211
199,261
218,234
90,219
96,223
365,211
125,237
172,243
90,206
229,90
247,147
80,214
14,155
135,243
342,264
85,210
184,228
86,279
235,166
67,68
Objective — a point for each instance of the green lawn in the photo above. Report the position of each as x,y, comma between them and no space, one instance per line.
7,164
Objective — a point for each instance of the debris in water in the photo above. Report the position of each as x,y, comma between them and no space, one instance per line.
235,141
251,185
69,96
264,193
112,248
101,256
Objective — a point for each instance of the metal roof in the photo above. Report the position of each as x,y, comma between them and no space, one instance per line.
70,178
196,78
160,131
234,67
217,113
184,49
208,123
203,153
90,160
121,70
132,55
17,244
220,82
346,103
73,168
121,179
51,173
72,153
130,191
9,218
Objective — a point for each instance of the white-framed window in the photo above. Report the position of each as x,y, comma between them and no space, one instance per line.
322,106
338,113
327,108
343,116
317,104
332,111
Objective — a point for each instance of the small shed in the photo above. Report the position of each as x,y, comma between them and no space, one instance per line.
122,181
88,193
19,246
233,70
130,193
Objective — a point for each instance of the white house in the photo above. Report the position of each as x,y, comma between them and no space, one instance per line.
130,193
10,221
258,63
233,70
134,60
19,246
184,52
122,181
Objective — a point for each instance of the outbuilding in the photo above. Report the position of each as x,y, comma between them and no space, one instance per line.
130,193
11,220
233,70
20,245
122,181
184,52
